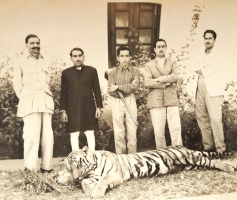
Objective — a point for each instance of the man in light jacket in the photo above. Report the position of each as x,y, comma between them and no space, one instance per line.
161,76
31,84
207,90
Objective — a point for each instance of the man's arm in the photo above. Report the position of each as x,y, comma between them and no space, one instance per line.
96,89
63,98
97,93
64,91
111,83
131,87
17,79
150,82
172,78
209,69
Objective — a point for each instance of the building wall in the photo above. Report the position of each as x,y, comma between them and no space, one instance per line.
63,25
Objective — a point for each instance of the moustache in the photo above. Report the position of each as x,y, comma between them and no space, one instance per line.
161,52
36,48
207,43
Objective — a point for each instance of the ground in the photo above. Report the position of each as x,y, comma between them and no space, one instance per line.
177,185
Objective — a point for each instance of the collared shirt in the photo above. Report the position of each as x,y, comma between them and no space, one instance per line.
31,79
161,62
79,68
127,79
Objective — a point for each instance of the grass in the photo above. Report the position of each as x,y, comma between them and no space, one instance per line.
176,185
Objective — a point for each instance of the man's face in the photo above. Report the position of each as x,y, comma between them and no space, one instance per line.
77,58
160,49
33,45
209,40
124,58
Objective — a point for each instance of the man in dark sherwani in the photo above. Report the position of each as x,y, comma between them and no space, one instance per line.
81,100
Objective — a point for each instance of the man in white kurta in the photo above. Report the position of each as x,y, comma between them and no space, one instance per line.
31,84
207,91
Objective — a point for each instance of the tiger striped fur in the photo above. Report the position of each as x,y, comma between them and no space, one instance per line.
100,170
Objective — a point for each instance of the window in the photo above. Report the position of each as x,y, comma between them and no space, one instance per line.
129,23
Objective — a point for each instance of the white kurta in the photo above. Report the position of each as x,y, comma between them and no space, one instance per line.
31,83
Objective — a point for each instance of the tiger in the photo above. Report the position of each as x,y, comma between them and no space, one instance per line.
98,171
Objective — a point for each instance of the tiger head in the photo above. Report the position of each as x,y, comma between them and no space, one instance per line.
81,163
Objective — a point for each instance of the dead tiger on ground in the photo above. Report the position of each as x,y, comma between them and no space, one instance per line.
97,171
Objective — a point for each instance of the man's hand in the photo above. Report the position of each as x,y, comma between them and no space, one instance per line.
64,117
112,88
156,80
98,112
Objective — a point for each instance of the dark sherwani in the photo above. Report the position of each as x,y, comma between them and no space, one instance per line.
80,95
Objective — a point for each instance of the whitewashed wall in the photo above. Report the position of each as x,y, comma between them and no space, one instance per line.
65,24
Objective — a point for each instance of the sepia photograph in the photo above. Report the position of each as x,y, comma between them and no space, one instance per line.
118,99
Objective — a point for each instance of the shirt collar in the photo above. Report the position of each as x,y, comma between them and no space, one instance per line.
120,68
79,68
158,58
27,55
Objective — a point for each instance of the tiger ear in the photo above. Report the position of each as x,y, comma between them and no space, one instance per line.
91,157
65,163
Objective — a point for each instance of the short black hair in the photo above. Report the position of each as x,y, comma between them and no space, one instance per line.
30,36
122,48
210,31
76,49
160,40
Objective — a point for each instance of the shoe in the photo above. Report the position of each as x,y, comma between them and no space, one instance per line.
46,171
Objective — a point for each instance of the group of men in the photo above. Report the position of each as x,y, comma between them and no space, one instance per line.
81,101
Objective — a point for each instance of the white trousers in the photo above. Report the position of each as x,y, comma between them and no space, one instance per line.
124,142
38,130
158,118
90,136
209,118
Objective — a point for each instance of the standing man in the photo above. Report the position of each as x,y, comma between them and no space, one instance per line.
161,76
81,100
126,80
31,84
207,91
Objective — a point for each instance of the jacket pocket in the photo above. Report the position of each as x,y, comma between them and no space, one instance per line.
26,100
44,76
156,94
170,96
49,100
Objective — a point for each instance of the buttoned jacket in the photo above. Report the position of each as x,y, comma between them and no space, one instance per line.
162,93
80,97
31,79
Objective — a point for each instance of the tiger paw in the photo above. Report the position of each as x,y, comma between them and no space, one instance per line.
88,186
225,166
99,191
64,177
